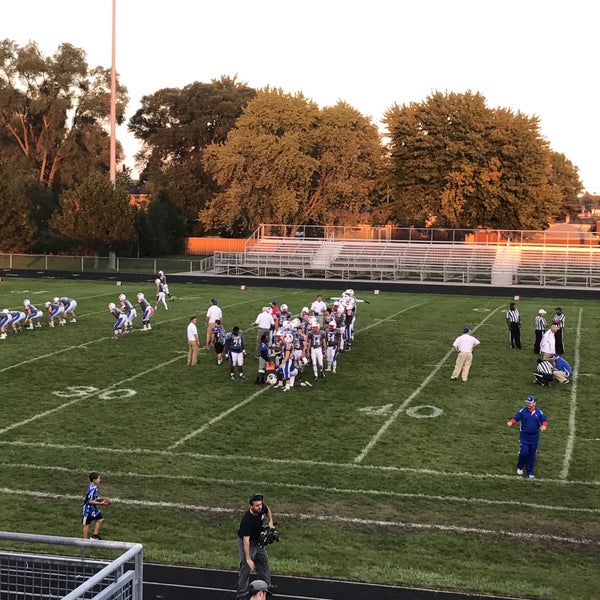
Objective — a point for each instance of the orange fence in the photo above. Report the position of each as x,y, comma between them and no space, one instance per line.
208,245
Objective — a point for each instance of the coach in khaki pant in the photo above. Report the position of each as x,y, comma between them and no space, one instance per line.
464,345
193,342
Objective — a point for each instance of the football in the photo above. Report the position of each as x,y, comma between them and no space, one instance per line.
106,501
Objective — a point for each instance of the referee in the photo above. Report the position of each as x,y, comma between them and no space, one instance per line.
540,326
513,320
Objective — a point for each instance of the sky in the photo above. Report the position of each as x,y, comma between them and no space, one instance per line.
538,57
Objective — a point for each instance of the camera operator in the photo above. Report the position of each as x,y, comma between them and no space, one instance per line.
253,555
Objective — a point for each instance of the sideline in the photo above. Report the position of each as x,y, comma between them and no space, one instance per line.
314,488
323,518
296,462
375,439
572,405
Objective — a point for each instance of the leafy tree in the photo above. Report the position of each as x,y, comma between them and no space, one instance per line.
289,162
175,126
18,231
161,229
54,111
565,176
95,217
457,163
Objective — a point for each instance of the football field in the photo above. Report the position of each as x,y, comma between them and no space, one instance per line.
385,471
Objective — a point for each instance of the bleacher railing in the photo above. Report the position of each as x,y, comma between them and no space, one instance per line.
33,572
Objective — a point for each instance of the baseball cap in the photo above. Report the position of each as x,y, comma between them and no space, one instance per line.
214,301
558,308
256,498
466,330
531,399
258,585
541,311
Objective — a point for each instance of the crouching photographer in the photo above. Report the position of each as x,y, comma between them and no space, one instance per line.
254,535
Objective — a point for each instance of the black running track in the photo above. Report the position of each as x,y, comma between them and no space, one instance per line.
162,582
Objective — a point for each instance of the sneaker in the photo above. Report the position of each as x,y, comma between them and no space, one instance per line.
242,376
2,336
149,326
328,369
531,476
286,389
73,321
232,377
303,383
519,472
322,374
279,384
95,536
307,384
51,323
38,324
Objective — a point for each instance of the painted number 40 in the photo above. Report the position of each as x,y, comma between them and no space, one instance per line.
81,391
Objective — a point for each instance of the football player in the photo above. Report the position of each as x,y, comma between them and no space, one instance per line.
33,315
147,312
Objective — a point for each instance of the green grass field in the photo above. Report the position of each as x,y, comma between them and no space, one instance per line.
384,472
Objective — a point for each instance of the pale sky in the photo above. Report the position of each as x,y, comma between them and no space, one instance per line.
536,56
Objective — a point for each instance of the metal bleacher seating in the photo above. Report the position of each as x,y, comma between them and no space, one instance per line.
504,261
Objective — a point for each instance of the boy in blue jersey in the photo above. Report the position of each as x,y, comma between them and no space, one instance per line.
532,420
91,512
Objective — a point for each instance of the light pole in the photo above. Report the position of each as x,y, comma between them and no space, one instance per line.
113,100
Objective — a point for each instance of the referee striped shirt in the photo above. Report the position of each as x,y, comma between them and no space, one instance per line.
545,367
512,316
559,320
540,323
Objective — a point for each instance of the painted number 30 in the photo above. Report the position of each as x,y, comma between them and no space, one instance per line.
80,391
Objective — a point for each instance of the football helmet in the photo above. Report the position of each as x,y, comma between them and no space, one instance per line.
112,306
26,302
55,300
140,296
271,379
122,297
284,307
288,338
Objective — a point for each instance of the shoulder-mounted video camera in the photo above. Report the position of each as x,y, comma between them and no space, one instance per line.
268,535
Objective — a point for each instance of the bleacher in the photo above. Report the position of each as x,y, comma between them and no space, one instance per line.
551,266
414,260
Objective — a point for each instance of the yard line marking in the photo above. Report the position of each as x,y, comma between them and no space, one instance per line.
50,354
85,344
289,461
321,518
85,397
226,413
216,419
572,405
375,439
312,488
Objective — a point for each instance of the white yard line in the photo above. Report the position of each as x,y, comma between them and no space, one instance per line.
85,397
564,473
375,439
321,518
310,488
216,419
240,458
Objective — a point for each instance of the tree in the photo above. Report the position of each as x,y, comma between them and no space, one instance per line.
95,217
175,126
18,231
54,111
289,162
455,162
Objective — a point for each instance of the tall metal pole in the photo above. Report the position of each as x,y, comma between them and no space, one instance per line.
113,100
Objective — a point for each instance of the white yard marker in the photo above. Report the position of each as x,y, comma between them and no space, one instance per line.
373,441
85,397
573,405
322,518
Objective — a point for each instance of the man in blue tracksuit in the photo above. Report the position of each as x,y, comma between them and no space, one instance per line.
532,420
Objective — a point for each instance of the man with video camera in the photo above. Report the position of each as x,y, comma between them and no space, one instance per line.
251,544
